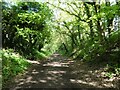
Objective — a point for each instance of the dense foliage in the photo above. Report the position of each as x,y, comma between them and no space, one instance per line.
26,27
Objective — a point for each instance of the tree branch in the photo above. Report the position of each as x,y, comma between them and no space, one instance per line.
68,12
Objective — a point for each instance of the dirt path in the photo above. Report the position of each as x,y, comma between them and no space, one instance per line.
60,72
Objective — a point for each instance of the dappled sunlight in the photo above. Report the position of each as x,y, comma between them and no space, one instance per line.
33,62
42,81
56,64
21,83
29,79
107,85
56,55
50,78
84,82
35,72
35,82
77,72
59,62
56,72
61,74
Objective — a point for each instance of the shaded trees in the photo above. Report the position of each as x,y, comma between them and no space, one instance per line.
89,29
25,27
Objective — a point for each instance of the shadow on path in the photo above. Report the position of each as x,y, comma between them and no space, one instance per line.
57,72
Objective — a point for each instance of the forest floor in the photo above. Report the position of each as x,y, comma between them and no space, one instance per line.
61,72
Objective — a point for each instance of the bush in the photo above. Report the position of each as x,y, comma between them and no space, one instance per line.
12,64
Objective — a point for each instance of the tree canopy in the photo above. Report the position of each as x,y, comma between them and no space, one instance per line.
85,31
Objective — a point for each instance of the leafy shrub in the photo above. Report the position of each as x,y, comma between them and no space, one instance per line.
12,64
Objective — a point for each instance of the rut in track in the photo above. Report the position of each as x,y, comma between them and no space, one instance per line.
59,72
